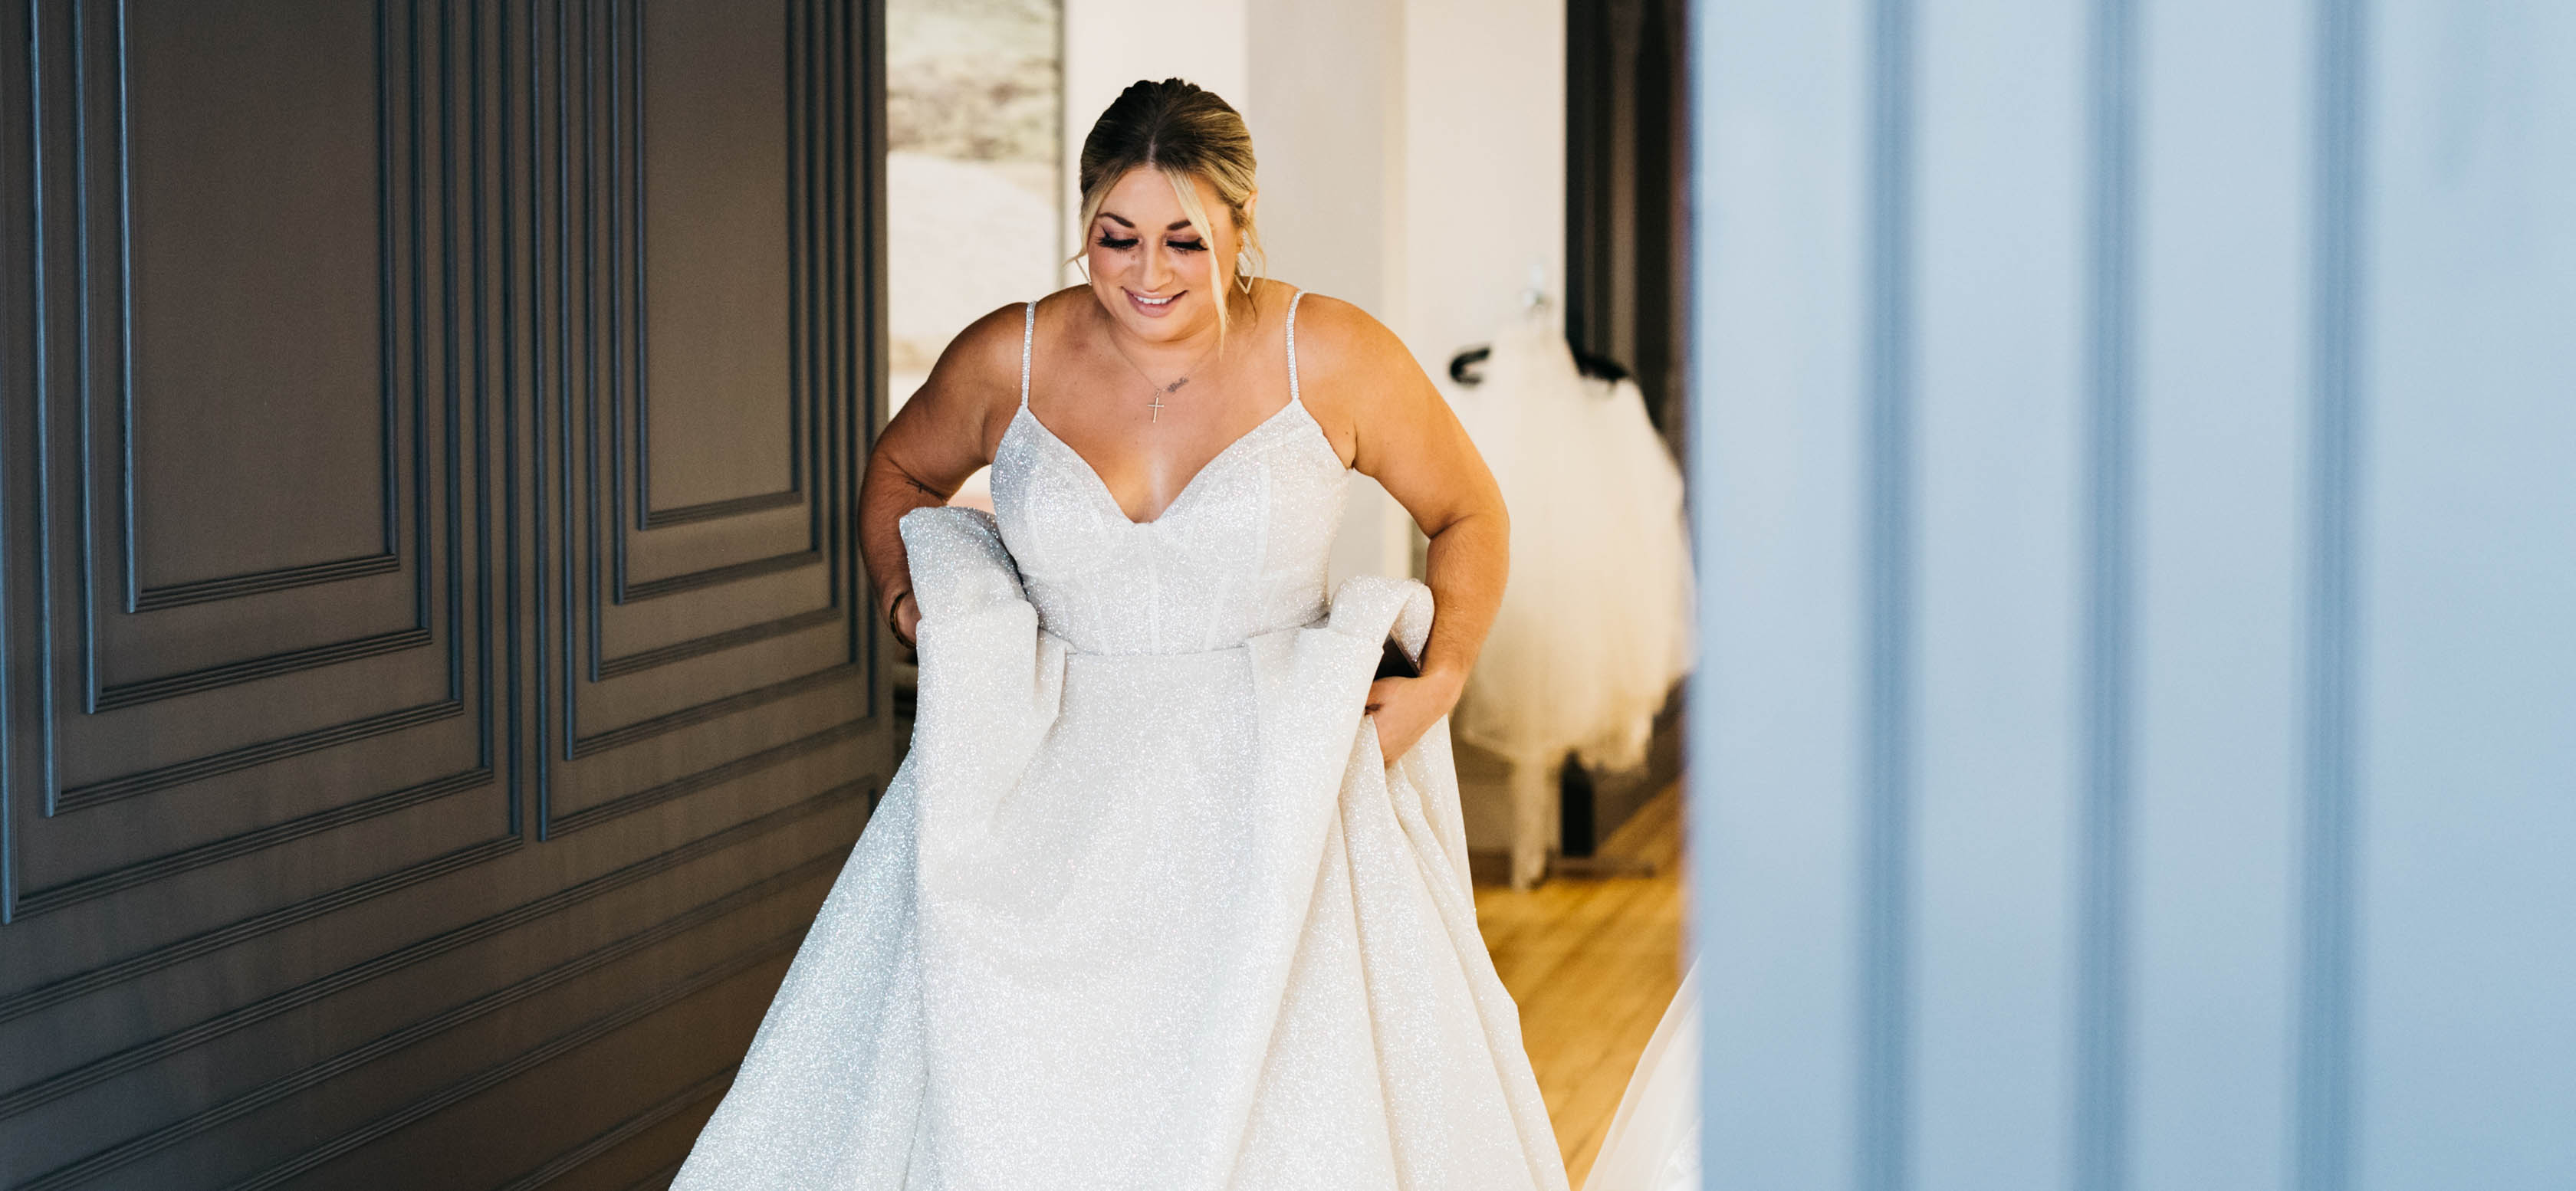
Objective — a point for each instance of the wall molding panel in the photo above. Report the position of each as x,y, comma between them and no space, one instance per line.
93,318
590,149
434,665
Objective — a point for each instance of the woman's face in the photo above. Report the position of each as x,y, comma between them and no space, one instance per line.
1149,268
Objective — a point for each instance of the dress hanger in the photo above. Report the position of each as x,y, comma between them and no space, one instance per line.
1535,305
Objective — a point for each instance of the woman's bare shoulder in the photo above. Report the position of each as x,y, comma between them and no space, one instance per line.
1338,339
1343,351
1354,375
978,373
987,351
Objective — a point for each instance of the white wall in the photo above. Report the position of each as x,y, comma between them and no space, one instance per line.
1109,44
1484,158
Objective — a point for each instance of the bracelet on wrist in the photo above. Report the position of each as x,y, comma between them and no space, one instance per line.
894,626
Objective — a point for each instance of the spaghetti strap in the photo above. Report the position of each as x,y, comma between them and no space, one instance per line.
1028,333
1293,299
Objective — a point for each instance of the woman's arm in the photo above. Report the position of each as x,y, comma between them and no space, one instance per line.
1395,427
935,441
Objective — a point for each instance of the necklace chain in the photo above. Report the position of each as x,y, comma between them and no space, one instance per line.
1161,390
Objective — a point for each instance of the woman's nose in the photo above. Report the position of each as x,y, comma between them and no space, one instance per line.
1158,267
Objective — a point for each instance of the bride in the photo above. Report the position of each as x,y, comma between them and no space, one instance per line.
1171,890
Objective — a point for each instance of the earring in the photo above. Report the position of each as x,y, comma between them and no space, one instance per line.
1243,274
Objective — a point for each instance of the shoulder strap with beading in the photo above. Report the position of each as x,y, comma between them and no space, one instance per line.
1293,299
1028,333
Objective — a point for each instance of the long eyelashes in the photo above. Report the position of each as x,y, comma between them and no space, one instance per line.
1116,244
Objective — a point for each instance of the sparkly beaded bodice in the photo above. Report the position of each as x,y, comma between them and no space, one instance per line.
1241,551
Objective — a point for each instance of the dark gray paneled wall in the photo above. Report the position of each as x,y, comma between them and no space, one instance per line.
439,686
2137,531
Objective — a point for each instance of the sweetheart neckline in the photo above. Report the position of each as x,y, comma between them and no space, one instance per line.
1101,486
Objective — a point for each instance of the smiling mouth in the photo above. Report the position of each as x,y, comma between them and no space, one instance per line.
1153,303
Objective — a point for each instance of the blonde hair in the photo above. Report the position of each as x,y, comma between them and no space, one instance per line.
1187,134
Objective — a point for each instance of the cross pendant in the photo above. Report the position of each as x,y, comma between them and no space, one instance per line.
1156,404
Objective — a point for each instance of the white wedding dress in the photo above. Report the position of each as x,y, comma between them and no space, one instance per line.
1653,1140
1144,906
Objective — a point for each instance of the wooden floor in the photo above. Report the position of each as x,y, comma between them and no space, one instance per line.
1593,963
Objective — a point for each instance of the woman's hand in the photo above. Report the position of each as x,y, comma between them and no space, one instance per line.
1405,708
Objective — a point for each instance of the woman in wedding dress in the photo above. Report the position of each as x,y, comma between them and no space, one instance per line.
1171,890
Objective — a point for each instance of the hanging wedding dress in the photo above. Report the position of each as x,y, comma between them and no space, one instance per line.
1594,628
1144,906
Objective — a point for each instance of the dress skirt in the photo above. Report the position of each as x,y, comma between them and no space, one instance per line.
1141,920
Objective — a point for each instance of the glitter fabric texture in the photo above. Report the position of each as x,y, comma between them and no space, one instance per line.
1145,906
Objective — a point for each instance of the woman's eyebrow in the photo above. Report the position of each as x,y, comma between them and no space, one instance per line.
1122,221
